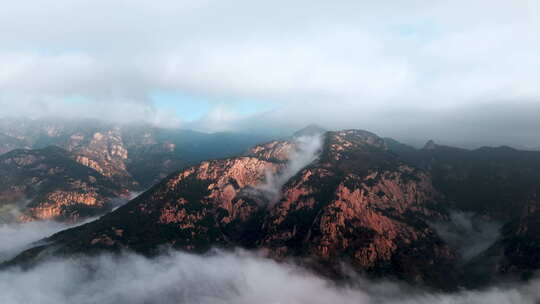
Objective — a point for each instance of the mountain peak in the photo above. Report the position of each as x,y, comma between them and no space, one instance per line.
430,145
310,130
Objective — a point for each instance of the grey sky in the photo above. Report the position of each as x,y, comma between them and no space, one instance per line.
458,71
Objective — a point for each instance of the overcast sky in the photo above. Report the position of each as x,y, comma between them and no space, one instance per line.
456,71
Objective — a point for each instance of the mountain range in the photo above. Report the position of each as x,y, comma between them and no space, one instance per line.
324,198
121,159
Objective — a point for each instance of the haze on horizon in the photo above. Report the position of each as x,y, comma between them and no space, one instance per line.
460,72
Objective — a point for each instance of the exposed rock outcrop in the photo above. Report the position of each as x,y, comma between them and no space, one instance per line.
357,203
364,200
48,184
103,152
135,156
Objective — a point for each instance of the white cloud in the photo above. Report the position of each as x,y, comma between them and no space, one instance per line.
467,233
221,277
306,151
361,60
15,237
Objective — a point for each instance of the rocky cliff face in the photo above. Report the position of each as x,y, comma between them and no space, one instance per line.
363,200
135,156
357,202
49,184
104,152
93,144
278,151
361,204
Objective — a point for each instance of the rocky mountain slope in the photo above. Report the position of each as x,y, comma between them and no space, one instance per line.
352,197
49,184
120,158
134,156
357,203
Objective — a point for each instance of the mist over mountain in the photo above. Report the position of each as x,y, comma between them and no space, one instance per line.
221,277
72,169
279,151
351,197
346,206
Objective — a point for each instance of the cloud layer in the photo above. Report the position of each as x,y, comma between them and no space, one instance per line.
467,233
218,277
14,237
385,66
222,277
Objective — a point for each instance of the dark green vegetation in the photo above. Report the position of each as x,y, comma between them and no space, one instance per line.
498,182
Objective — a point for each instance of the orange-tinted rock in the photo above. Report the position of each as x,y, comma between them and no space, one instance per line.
54,204
275,150
48,184
356,203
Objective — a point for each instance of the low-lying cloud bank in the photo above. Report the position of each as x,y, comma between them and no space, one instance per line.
224,277
15,237
220,278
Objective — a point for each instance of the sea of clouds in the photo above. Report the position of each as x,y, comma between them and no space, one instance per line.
217,278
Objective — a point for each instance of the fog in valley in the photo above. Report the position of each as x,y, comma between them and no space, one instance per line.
128,88
218,277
